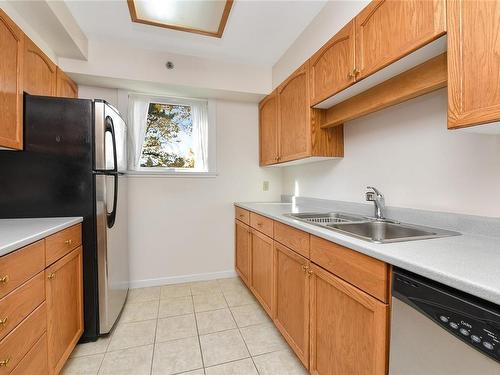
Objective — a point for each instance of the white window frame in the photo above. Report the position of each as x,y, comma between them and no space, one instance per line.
211,143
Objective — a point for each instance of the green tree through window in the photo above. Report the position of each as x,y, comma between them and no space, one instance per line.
169,137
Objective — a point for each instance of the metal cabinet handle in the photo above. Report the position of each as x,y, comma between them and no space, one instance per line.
3,322
68,242
4,279
4,362
51,276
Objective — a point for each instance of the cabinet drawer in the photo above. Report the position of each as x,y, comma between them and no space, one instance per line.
35,362
17,343
242,215
295,239
261,223
20,266
61,243
368,274
17,305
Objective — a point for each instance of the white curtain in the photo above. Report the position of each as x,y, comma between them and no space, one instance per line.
138,116
199,114
138,111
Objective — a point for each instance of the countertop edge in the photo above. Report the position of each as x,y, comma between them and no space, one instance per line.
27,240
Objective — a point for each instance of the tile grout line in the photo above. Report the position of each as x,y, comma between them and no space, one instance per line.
198,334
156,330
239,330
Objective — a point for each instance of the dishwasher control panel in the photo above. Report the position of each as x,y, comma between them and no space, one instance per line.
468,318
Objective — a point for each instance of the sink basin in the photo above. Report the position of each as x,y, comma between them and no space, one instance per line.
323,219
370,229
384,232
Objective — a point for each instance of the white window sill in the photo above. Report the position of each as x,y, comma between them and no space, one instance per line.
171,174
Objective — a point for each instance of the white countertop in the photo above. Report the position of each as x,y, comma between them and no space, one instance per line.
16,233
470,263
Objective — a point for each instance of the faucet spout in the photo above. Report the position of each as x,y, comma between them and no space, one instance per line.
375,196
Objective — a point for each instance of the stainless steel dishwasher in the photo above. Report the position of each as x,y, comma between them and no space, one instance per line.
437,330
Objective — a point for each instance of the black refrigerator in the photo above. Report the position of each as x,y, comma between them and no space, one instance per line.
74,164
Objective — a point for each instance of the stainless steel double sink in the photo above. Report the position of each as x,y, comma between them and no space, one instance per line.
371,229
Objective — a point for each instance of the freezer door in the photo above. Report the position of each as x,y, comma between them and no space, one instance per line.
112,247
110,139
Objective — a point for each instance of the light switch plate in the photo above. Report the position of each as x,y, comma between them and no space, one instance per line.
265,186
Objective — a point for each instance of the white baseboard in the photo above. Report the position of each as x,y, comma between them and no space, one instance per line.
181,279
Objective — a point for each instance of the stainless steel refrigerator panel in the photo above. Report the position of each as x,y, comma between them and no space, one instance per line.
112,249
120,138
99,136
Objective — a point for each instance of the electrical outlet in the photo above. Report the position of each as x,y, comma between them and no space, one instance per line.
265,186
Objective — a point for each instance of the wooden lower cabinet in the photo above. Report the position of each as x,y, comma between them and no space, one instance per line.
349,328
242,245
262,258
291,286
35,361
64,298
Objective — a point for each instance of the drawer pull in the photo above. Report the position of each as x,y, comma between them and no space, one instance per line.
4,280
259,224
51,276
68,242
310,273
4,362
3,322
304,268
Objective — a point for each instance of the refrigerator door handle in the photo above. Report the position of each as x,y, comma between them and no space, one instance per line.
111,216
109,127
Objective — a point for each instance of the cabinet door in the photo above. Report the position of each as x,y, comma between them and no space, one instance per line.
473,62
242,256
268,129
331,68
262,270
66,87
348,328
64,295
39,71
294,115
291,286
11,80
387,30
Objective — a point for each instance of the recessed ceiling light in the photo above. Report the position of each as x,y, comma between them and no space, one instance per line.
206,17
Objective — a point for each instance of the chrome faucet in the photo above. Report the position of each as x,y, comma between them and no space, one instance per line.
375,196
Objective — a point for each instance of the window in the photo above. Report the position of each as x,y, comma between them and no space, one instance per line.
170,136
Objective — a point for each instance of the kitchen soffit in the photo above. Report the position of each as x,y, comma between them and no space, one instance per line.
207,17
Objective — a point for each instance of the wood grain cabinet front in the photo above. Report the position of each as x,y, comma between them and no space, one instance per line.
61,243
11,83
65,86
262,258
473,62
332,68
39,71
243,248
291,288
64,298
268,130
349,328
387,30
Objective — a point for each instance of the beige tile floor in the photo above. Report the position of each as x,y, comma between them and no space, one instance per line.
204,328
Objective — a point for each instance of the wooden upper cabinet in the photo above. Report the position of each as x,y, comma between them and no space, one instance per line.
291,285
66,87
331,69
473,62
268,129
64,298
294,116
39,71
349,328
242,245
387,30
11,83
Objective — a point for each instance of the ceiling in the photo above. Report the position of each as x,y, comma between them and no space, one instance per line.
257,32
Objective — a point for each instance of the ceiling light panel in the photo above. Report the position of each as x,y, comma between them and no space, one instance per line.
207,17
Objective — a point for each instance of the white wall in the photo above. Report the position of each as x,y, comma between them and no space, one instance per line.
184,226
408,153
